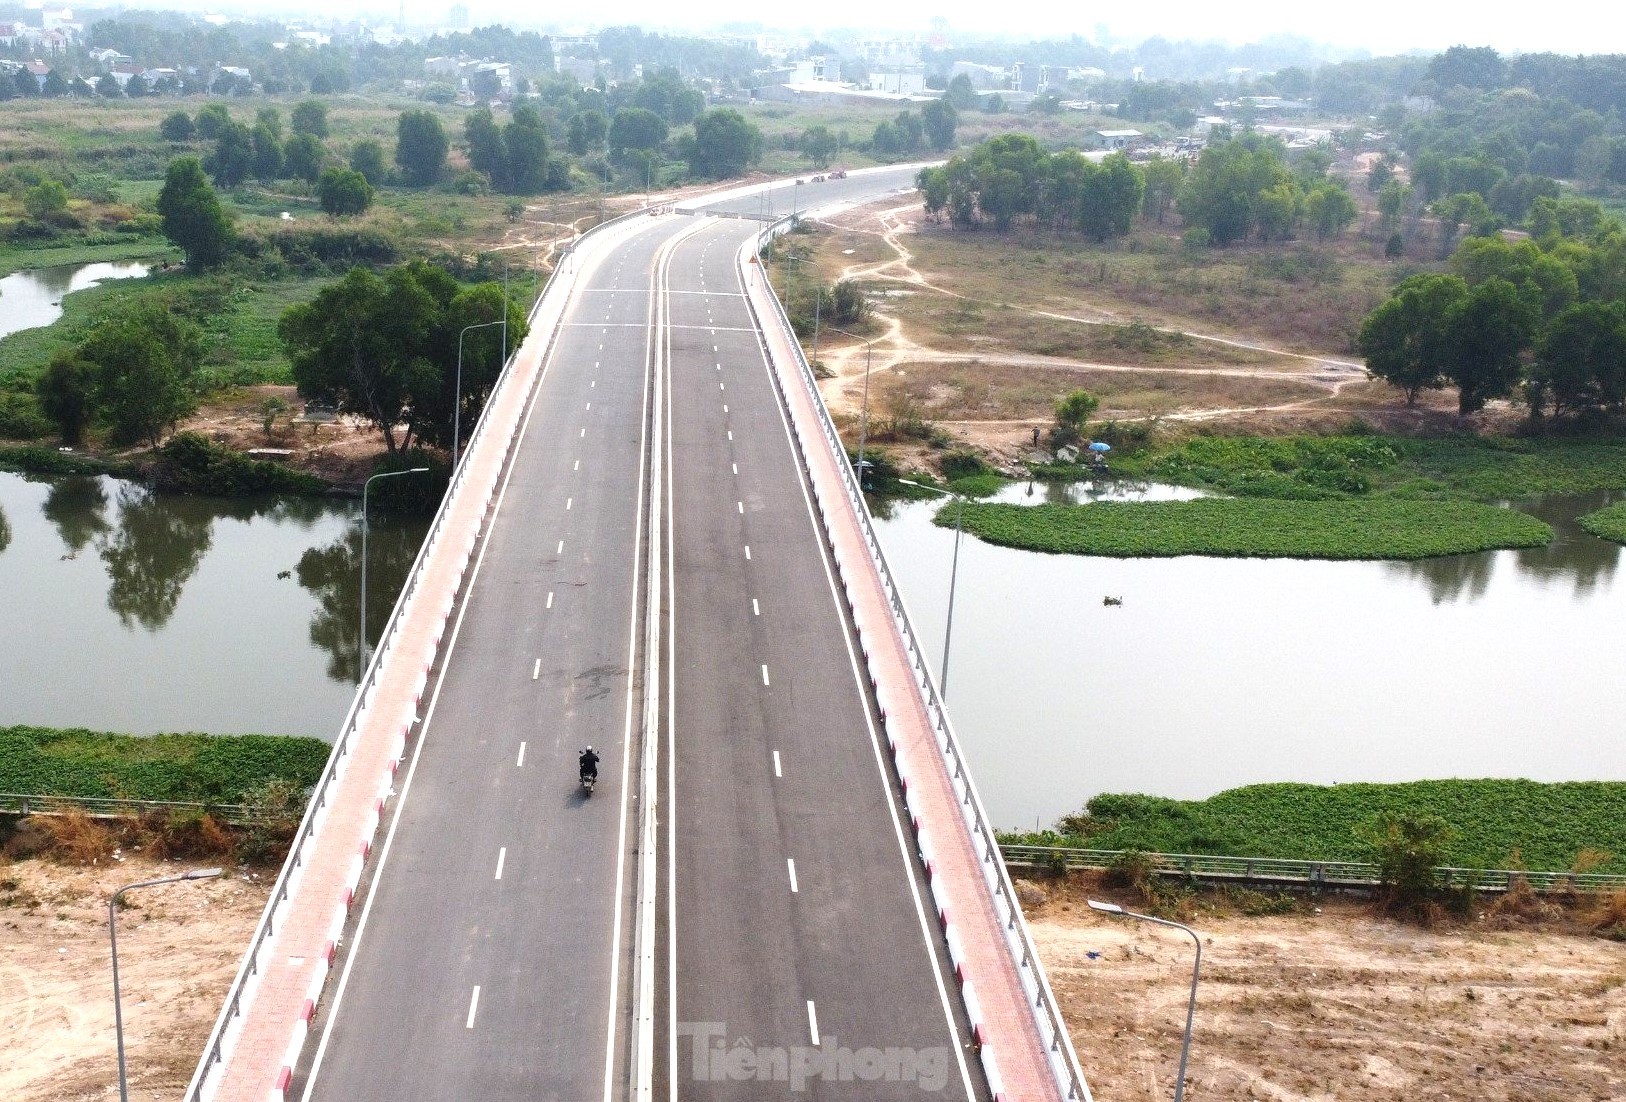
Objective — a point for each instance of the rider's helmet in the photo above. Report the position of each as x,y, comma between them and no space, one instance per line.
589,750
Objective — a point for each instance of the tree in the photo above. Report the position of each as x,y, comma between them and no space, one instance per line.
1407,850
819,145
725,144
177,127
961,93
267,153
1072,413
310,117
1403,338
55,87
488,153
1163,177
45,199
1469,67
212,118
938,120
1330,210
1485,336
420,147
137,87
271,120
1580,364
585,132
1111,198
144,363
343,191
1392,203
363,344
635,128
64,391
367,158
303,156
191,215
24,84
233,158
526,139
107,86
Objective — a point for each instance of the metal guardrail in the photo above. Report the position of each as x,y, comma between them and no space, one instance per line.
20,803
1332,874
341,746
1063,1058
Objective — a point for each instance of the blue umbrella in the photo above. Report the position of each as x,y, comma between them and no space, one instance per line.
1100,447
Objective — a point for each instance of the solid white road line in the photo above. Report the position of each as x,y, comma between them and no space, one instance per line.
776,770
812,1021
536,671
519,763
789,861
474,1004
502,856
765,673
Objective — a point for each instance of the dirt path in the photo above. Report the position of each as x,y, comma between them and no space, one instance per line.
178,950
894,348
1337,1004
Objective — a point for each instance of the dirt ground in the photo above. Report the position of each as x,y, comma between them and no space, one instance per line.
1335,1003
179,946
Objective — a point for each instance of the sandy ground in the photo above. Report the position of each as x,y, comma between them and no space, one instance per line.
179,946
1336,1003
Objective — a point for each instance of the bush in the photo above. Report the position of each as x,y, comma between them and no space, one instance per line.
21,417
190,463
1407,849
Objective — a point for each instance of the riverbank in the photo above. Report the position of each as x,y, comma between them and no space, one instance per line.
1330,1000
1607,524
194,768
1576,826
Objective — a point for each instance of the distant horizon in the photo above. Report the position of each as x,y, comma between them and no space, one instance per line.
1388,28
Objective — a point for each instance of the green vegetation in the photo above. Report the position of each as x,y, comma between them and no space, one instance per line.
1352,529
1493,823
1608,524
184,767
190,463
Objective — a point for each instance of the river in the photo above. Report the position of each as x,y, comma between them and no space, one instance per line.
1215,673
131,611
33,298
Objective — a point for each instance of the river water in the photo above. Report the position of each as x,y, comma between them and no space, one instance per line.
1215,673
32,298
130,611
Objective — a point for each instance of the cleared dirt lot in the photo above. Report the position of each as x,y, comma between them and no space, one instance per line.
1336,1003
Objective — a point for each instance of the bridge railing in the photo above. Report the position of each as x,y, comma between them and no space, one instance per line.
22,803
242,984
1333,874
1042,1001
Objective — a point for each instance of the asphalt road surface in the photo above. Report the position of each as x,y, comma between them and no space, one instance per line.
492,957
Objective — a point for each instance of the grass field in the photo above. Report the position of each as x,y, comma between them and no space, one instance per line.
1497,823
1352,529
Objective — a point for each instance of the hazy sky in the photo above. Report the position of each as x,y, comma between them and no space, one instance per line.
1383,26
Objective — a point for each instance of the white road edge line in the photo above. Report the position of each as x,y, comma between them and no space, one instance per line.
474,1004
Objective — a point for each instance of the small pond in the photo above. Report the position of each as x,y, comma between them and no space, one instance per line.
32,298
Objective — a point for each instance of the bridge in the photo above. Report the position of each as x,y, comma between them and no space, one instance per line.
784,884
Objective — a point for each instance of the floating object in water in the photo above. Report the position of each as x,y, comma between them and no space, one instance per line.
1112,600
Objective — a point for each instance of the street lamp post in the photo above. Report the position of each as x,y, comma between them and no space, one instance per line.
1196,969
818,298
361,661
113,939
954,573
457,398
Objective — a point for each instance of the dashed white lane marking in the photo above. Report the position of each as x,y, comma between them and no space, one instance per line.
581,434
725,407
714,348
550,598
776,770
502,856
474,1004
719,367
788,861
765,680
812,1021
536,670
756,610
722,386
589,406
568,500
747,550
578,465
736,467
594,383
740,505
731,434
519,763
561,548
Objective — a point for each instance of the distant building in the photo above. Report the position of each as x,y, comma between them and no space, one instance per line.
1115,140
585,70
980,76
911,82
38,70
122,73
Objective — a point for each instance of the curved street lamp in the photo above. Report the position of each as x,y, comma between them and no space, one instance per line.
954,573
1196,968
113,939
361,661
457,397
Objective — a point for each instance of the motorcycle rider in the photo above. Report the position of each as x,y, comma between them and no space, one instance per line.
589,764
